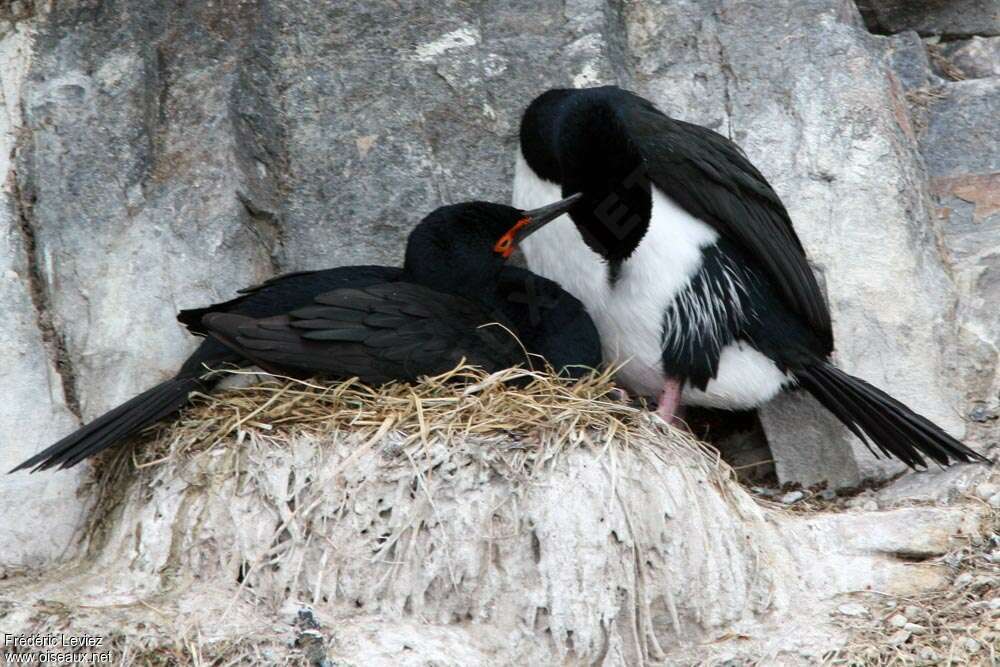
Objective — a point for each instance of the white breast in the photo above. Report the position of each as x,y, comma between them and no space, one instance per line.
629,315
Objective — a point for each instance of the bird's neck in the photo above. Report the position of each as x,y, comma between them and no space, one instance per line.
585,136
470,282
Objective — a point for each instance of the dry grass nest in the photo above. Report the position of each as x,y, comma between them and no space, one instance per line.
517,422
531,415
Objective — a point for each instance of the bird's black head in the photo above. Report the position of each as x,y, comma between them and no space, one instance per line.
461,248
540,130
577,139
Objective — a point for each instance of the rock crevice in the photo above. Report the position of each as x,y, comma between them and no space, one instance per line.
53,340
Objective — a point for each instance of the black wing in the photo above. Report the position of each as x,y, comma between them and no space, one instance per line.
550,321
289,291
384,332
711,178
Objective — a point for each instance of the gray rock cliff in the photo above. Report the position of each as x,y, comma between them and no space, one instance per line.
158,155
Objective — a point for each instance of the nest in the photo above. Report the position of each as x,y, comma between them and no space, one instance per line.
528,416
436,500
513,518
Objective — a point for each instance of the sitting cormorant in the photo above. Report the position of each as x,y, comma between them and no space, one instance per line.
454,298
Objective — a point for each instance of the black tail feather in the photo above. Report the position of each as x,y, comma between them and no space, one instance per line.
880,421
115,425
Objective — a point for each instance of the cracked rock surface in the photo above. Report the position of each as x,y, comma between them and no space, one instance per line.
157,156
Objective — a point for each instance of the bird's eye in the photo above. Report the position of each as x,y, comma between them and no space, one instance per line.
505,246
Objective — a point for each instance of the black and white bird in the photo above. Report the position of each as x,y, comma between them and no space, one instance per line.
687,261
454,298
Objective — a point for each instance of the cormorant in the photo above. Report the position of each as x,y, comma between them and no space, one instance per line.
454,298
688,262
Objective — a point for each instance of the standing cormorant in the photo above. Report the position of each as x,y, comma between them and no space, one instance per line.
687,260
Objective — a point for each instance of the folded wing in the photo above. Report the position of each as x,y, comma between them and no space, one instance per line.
384,332
711,178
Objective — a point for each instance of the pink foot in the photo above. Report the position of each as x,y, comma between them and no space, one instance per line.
669,407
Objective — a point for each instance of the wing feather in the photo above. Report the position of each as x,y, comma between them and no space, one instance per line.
287,292
393,330
710,177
